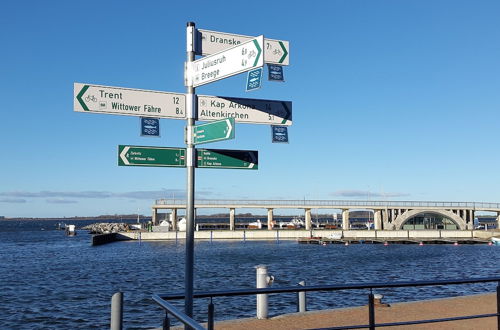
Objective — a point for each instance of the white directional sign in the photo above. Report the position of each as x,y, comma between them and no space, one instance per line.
210,42
252,111
234,60
129,102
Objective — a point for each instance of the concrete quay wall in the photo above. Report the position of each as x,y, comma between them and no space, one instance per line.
296,234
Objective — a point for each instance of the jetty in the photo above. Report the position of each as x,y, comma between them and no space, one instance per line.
323,236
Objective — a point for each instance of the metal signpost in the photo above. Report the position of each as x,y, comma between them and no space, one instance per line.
227,63
129,102
214,131
250,111
151,156
210,42
222,158
229,54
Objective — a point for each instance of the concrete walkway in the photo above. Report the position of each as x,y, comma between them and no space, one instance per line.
410,311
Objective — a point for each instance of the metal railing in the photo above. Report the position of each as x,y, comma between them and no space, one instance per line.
335,204
161,299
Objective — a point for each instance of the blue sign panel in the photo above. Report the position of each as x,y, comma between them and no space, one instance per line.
254,79
275,72
150,126
279,134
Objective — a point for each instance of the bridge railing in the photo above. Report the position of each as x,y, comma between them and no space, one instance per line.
334,203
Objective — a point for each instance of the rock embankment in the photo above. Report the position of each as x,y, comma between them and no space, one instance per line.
105,228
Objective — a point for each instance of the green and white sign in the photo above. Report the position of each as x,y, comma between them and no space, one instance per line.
250,111
243,57
221,158
151,156
214,131
210,42
128,102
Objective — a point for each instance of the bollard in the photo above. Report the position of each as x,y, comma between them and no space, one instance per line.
301,299
117,311
262,305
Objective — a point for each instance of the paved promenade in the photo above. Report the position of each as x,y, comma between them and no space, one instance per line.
429,309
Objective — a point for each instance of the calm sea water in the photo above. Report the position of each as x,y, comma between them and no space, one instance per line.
51,281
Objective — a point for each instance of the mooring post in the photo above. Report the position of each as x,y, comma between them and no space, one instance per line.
117,311
301,299
262,304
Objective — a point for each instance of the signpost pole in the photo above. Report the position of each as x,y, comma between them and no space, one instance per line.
191,110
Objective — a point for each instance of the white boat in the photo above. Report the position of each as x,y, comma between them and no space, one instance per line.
295,223
70,230
181,225
495,240
255,225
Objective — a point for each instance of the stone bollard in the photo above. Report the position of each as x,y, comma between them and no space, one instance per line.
301,299
117,311
262,282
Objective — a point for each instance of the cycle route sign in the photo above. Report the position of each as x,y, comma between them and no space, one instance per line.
151,156
128,102
275,51
232,61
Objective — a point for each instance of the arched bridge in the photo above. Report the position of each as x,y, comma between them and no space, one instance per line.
387,215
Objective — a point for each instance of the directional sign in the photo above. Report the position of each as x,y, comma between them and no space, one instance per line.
237,159
214,131
232,61
254,79
129,102
151,156
150,126
253,111
210,42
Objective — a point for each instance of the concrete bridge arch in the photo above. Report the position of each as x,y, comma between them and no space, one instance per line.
402,218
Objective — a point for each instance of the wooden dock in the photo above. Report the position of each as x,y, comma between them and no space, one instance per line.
420,241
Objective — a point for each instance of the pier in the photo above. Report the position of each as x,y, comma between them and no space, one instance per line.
329,236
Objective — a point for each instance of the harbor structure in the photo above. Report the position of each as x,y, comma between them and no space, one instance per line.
387,215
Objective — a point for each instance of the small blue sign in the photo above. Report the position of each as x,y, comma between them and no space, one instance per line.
254,79
275,72
150,126
279,134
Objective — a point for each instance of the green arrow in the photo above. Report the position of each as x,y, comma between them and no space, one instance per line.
259,51
288,113
285,52
151,156
214,131
79,97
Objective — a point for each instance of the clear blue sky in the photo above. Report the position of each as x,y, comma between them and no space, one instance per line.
391,100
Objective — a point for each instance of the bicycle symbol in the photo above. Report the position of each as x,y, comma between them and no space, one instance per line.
91,98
